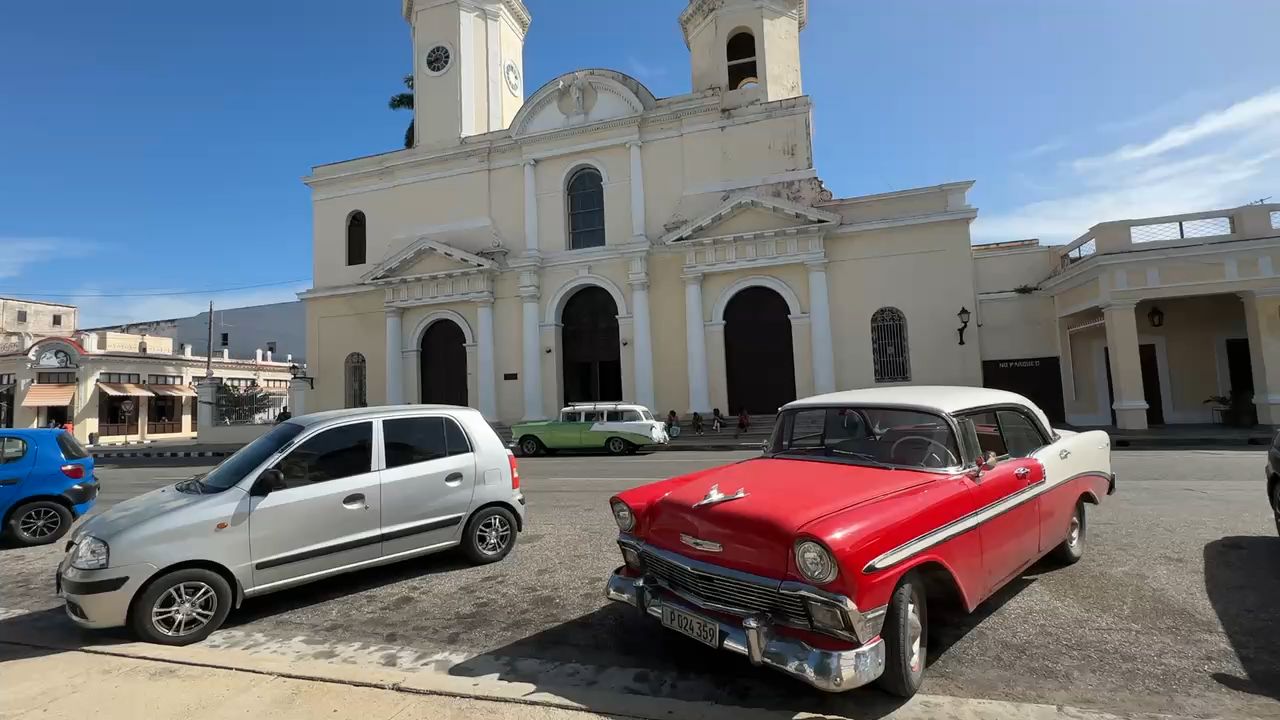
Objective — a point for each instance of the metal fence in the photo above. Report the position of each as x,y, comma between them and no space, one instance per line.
249,405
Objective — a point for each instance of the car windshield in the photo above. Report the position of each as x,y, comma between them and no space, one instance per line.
233,469
866,435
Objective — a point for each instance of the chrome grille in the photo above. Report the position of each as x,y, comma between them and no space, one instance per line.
730,593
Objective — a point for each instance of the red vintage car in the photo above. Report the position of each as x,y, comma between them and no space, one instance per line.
822,558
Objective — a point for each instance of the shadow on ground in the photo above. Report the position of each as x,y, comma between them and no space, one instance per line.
1242,579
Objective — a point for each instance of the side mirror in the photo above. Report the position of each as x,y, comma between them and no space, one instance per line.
268,482
983,464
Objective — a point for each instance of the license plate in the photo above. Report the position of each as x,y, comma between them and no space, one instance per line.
701,629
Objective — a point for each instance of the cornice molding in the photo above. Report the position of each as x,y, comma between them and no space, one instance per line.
516,8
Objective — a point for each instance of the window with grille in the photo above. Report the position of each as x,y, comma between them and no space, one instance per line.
165,380
56,378
356,381
889,345
239,382
586,209
125,378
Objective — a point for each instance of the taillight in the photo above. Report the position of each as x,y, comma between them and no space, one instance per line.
515,471
75,472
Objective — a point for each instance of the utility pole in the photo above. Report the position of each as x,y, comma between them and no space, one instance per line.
208,361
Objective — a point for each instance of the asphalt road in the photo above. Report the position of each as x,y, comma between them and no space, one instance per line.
1175,608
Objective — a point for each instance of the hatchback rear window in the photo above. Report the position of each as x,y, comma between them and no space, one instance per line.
71,448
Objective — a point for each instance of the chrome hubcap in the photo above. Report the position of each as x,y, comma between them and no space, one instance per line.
530,447
184,609
915,629
616,445
40,523
1073,534
493,535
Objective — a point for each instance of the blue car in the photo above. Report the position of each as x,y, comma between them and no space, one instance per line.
46,482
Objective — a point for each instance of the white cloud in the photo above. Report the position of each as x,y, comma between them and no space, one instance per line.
644,70
1223,158
18,254
1043,149
99,311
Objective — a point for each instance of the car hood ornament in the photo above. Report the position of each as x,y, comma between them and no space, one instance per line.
714,496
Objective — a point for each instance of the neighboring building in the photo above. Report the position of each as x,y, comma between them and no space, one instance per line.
22,322
1139,322
594,242
113,386
278,328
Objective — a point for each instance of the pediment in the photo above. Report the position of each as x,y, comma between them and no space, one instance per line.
427,257
585,97
750,216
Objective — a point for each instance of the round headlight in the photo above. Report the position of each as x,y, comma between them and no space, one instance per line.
622,515
815,562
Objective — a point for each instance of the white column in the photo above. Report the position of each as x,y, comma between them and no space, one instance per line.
643,344
696,342
298,397
487,386
824,359
530,207
532,355
637,191
395,358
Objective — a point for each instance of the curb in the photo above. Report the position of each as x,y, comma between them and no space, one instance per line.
161,454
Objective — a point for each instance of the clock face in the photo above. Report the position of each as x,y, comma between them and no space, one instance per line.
438,59
513,78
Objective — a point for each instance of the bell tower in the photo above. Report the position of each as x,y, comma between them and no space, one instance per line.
746,46
468,66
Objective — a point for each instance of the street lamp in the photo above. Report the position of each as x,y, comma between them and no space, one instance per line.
1156,316
963,315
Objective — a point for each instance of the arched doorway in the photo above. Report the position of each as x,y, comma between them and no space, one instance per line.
758,357
589,338
443,364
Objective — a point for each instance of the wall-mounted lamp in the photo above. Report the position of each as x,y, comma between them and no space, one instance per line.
964,322
1156,316
548,351
626,343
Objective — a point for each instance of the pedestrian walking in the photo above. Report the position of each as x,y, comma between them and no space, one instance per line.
744,422
697,423
717,420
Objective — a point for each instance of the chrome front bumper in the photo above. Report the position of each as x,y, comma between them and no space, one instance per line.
754,637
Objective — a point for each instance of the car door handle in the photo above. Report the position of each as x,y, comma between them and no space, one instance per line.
1063,454
8,481
453,478
1022,473
355,502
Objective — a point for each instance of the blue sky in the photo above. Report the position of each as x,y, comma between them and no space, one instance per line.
157,147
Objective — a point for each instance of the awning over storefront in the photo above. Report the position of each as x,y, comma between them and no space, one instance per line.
118,389
173,390
48,395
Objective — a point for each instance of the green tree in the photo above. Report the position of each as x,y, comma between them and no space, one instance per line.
404,101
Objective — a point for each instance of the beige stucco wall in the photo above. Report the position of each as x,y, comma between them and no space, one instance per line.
1018,326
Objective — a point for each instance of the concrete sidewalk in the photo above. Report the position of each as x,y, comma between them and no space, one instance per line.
71,685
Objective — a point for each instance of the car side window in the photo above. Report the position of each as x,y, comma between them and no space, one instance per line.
330,455
569,416
1020,435
455,438
591,417
413,440
990,441
12,449
613,416
631,416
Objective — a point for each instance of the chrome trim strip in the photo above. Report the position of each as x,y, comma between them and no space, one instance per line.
964,524
383,560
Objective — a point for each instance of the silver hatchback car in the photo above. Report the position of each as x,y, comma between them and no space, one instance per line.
316,496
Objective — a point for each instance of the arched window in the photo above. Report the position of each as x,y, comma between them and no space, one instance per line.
889,345
355,238
586,209
356,374
741,56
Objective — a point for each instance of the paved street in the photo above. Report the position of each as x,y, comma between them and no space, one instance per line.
1173,610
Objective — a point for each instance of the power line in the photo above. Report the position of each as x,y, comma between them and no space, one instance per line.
154,293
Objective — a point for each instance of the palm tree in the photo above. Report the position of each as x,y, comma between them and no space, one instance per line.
404,101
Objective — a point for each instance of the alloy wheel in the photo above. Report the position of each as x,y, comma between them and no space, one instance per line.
529,446
617,446
184,609
493,535
40,523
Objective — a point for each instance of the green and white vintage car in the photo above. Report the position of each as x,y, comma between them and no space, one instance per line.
620,428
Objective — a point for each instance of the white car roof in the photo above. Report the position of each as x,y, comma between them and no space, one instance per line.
948,399
374,412
578,407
